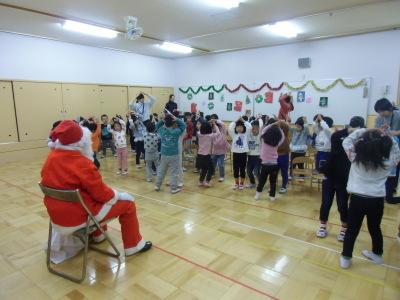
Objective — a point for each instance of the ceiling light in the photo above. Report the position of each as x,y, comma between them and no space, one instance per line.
285,28
176,48
90,29
228,4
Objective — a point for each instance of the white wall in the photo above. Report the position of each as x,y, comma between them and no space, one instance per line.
375,55
30,58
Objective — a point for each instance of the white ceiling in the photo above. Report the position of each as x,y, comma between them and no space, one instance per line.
195,23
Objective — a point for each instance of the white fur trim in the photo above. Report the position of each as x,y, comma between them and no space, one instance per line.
114,199
136,249
84,145
99,239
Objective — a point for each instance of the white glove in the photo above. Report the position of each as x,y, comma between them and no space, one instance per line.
125,196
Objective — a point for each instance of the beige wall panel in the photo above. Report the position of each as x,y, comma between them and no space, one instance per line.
113,100
133,91
8,128
162,95
38,106
371,121
81,100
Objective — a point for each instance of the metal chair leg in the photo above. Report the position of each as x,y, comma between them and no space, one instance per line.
106,252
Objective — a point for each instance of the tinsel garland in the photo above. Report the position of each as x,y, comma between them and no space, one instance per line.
279,87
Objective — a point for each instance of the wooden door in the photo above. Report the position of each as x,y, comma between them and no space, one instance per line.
113,100
38,106
8,128
81,100
162,96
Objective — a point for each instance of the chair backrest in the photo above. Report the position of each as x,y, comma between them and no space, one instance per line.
63,195
308,162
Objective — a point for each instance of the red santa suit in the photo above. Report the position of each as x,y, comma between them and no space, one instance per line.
286,107
69,166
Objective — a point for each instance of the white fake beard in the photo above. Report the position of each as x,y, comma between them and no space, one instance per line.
84,145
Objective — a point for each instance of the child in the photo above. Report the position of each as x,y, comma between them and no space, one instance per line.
373,154
272,137
240,147
299,143
208,132
253,157
138,130
106,136
151,148
93,125
119,137
286,103
187,140
283,157
169,150
336,171
220,147
323,133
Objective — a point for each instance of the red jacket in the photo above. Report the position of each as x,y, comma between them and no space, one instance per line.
67,170
285,109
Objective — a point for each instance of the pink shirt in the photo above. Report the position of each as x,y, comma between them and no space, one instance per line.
206,141
221,145
269,154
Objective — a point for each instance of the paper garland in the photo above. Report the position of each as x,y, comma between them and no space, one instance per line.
279,87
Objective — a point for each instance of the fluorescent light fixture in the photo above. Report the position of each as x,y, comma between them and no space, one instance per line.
228,4
90,29
284,28
172,47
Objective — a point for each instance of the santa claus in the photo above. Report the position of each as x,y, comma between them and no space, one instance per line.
70,166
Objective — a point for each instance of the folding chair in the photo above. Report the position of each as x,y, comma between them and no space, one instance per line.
306,173
91,225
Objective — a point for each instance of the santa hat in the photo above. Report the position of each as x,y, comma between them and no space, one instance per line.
67,132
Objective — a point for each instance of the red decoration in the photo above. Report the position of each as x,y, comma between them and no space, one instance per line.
238,106
269,97
193,107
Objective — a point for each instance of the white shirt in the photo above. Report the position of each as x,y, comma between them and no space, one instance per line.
239,140
370,183
119,137
254,141
323,138
142,109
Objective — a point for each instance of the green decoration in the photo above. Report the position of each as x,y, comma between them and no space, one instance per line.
259,98
189,96
248,101
323,101
202,89
222,98
327,88
211,105
229,106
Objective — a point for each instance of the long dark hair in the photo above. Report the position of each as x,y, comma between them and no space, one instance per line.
205,128
272,136
372,149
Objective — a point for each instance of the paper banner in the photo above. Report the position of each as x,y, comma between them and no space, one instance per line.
259,98
229,106
301,96
211,96
269,97
248,101
238,106
309,100
211,105
189,96
323,101
193,107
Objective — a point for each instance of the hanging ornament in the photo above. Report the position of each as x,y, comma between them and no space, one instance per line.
229,106
259,98
193,107
190,96
222,99
248,101
211,96
269,97
301,96
211,106
238,106
323,101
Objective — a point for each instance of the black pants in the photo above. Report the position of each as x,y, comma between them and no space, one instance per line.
293,155
359,207
391,186
139,146
206,167
272,172
239,165
253,168
328,193
96,161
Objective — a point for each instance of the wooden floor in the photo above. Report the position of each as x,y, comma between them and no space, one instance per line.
208,244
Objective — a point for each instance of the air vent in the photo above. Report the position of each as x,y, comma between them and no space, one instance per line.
304,63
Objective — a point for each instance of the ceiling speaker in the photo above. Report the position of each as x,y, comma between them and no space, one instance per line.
304,63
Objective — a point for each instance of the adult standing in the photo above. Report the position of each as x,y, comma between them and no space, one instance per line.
171,105
143,106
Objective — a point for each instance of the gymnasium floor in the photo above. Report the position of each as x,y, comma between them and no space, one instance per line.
208,244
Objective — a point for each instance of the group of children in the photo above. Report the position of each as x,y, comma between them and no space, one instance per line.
355,162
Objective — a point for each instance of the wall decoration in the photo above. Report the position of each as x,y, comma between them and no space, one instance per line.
248,101
269,97
309,100
234,90
323,101
238,106
202,89
328,87
301,96
222,99
193,107
259,98
248,113
229,106
211,96
211,105
190,96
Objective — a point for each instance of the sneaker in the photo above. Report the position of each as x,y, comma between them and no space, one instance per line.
200,183
149,180
221,179
290,177
250,186
180,185
119,172
378,259
196,171
138,167
240,186
157,188
115,155
345,262
257,196
206,184
272,198
302,180
101,156
322,232
398,238
341,235
155,173
236,186
176,190
125,173
282,190
184,169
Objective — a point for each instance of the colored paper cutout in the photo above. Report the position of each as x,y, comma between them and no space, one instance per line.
193,107
259,98
190,96
323,101
248,101
211,106
301,96
238,106
211,96
229,106
269,97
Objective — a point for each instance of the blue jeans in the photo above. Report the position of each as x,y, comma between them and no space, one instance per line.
283,164
253,168
219,161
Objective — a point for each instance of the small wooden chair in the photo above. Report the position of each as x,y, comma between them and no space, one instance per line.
91,225
306,173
